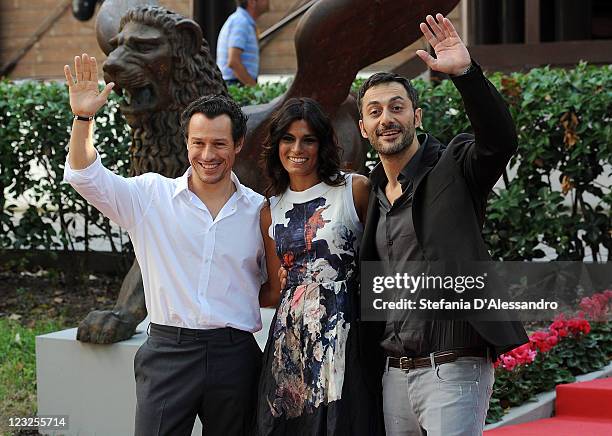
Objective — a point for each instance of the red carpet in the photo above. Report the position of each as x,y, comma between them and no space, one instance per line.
581,409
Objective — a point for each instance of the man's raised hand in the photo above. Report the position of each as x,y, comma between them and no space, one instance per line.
85,95
452,56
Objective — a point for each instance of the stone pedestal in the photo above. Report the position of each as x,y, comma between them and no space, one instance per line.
94,384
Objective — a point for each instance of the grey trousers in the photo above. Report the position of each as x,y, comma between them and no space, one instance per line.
449,400
214,377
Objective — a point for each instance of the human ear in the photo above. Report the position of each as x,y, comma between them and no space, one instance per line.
418,118
238,145
362,130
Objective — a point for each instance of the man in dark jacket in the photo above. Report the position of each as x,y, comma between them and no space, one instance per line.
428,203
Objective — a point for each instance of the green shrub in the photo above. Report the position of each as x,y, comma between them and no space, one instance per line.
565,138
249,95
35,119
563,121
565,145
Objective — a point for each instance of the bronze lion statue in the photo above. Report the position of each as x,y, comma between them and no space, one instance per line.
159,63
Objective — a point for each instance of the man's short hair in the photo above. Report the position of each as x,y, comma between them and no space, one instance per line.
213,106
378,78
242,3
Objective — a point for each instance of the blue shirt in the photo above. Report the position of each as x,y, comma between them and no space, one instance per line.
239,32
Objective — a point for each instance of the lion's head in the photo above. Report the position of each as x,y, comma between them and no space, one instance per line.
159,63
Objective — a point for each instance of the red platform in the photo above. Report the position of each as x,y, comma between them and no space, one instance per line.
581,409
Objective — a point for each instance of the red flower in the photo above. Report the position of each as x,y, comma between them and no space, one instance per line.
597,307
524,354
559,326
509,362
542,341
578,326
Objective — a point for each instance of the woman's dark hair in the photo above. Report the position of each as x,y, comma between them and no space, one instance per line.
328,158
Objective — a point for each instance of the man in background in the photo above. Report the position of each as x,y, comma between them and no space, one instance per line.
237,46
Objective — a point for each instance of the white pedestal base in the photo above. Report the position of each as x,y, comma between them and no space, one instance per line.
94,384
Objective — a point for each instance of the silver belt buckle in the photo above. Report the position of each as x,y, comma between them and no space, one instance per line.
404,363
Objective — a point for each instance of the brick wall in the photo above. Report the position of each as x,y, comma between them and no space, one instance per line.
67,37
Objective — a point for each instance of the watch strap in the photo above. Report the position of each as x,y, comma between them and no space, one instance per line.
82,118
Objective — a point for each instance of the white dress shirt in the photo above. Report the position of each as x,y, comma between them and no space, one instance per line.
197,272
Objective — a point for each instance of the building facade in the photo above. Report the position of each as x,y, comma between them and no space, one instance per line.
38,38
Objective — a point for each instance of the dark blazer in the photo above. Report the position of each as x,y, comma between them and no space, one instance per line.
449,203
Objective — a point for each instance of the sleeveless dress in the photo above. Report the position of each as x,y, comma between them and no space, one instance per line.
309,366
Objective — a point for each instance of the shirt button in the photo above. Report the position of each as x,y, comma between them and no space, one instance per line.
390,242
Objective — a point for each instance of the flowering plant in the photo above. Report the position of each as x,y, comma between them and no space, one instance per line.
568,347
597,307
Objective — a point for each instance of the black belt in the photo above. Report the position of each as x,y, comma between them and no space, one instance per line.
439,358
184,334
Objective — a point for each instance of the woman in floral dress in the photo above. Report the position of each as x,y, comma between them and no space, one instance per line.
311,382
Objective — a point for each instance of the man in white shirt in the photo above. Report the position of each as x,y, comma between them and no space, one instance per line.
198,242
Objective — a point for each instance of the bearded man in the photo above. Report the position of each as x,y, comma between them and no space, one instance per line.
428,203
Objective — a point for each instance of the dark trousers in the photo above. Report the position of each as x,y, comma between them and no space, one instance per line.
212,374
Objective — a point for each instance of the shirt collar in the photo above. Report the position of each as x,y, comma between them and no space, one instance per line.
183,184
245,14
412,167
407,174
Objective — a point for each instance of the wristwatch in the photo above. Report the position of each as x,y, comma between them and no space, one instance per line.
82,118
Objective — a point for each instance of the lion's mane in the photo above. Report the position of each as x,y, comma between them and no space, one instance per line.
157,144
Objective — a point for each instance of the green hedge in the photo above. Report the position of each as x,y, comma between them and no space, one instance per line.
565,136
34,132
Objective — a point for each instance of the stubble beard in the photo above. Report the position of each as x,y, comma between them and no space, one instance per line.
403,142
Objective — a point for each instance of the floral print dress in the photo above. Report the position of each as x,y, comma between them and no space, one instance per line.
317,234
